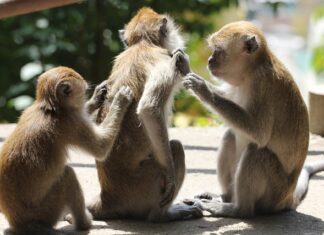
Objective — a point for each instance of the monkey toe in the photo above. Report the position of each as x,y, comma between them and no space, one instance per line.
205,195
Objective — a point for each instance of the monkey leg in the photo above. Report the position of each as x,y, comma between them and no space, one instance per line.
75,201
225,169
226,164
179,211
41,218
257,172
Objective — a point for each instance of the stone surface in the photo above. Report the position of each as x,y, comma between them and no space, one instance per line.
201,145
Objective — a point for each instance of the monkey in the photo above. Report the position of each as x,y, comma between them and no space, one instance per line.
36,184
263,151
144,172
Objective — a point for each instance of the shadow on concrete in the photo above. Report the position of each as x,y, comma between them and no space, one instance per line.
189,170
197,147
291,222
82,165
200,170
70,230
317,177
285,223
314,153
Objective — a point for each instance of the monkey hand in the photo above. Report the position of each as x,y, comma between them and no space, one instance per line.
99,94
169,191
181,61
124,97
196,83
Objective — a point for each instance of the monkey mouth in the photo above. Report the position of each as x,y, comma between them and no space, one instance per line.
214,71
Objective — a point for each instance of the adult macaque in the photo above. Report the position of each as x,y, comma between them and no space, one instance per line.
35,182
263,152
145,170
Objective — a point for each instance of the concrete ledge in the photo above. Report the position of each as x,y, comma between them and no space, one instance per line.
201,145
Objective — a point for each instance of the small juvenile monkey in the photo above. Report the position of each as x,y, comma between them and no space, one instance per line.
263,151
145,170
35,182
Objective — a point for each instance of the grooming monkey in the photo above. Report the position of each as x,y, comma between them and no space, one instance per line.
145,170
35,182
263,151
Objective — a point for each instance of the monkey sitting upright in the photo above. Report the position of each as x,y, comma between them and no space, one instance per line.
145,170
262,153
35,182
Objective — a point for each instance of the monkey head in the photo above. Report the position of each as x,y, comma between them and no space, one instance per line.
235,50
60,88
147,25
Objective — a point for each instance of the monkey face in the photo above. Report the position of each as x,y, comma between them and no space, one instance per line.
233,48
147,25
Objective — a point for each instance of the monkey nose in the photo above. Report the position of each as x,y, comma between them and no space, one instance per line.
211,61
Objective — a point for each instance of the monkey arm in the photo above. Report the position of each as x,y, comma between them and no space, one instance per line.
152,112
256,123
99,140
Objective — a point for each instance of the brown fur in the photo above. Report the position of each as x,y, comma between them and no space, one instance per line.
263,152
144,167
35,182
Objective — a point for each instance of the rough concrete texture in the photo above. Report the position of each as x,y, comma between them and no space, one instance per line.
201,145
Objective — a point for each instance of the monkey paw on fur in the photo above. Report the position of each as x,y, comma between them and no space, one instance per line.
99,94
181,61
125,95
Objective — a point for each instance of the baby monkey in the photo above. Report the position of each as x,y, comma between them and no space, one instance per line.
35,182
262,153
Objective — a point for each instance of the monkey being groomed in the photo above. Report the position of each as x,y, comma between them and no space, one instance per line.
260,161
36,185
145,170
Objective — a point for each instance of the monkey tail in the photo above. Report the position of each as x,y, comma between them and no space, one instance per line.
34,229
303,180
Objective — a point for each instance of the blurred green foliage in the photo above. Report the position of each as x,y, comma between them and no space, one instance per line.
317,60
85,37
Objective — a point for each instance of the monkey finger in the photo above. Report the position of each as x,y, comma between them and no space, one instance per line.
178,50
187,84
101,86
188,201
126,92
204,195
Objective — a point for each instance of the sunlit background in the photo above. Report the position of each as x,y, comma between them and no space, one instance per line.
85,37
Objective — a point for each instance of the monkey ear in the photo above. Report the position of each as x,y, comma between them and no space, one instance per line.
121,33
64,89
163,28
250,44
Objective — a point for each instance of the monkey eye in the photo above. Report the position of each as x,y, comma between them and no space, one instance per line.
218,51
